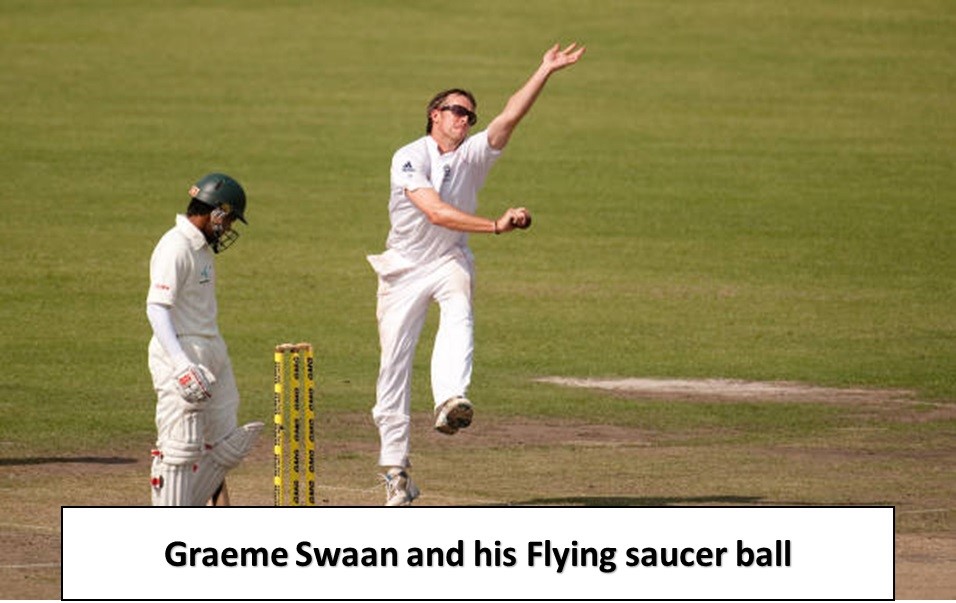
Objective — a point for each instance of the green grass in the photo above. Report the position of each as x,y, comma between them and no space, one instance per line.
754,190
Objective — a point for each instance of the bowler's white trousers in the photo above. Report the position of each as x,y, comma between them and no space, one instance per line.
403,302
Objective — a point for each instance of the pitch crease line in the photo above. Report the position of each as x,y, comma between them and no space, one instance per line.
23,526
924,511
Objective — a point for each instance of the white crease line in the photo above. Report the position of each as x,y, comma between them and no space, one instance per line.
924,511
21,526
29,565
375,489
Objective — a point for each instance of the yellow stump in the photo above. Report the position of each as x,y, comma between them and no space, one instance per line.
279,423
290,444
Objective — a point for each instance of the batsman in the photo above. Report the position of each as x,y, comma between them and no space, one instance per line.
432,209
197,401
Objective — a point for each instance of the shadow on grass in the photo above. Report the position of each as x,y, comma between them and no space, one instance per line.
640,501
54,460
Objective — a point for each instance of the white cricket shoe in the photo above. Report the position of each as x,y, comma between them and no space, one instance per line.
454,414
400,491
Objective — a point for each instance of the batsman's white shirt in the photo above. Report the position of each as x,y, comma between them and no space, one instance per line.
183,277
457,176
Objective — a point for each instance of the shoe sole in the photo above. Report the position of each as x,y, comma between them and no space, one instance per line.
406,501
459,417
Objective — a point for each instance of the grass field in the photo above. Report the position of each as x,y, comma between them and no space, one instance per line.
741,190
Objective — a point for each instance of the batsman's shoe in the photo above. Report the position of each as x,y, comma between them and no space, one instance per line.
400,491
454,414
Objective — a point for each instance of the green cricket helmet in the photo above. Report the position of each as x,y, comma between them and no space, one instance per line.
221,192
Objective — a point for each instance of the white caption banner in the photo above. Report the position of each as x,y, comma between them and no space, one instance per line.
478,553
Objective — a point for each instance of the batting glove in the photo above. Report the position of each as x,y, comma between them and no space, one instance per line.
194,382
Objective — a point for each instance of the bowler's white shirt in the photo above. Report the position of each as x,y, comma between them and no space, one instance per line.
457,176
183,278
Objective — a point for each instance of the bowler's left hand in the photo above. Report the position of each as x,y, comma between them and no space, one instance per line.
555,58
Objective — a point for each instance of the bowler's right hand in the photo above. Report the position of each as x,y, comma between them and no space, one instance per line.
514,217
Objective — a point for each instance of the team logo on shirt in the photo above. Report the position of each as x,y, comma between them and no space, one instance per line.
205,275
447,175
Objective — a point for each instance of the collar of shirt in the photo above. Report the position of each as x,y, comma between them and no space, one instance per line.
435,152
432,145
195,236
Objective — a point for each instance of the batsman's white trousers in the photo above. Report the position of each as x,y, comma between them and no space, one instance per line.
403,302
184,426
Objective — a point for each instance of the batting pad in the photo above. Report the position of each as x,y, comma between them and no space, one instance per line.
222,457
172,485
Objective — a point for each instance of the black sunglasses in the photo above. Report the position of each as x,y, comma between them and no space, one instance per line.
461,112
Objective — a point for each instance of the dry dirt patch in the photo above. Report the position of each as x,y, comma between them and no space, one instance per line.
29,560
732,390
